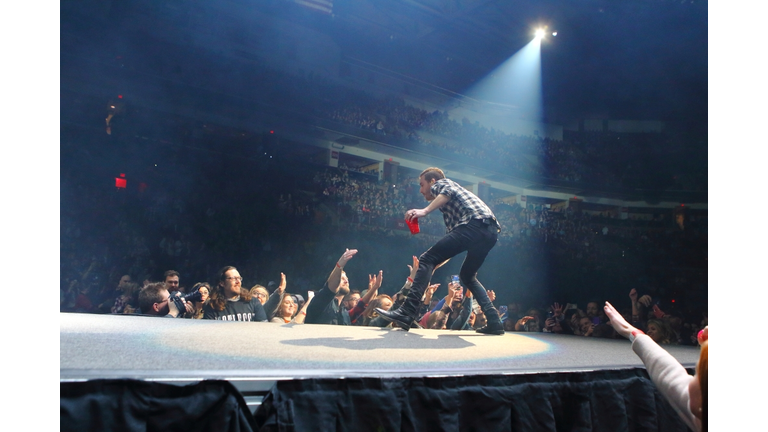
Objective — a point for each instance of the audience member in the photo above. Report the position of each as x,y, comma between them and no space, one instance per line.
231,302
660,331
286,312
171,278
154,299
260,293
326,307
205,291
127,299
687,394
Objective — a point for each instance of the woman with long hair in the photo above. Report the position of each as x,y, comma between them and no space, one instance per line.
205,293
660,331
286,312
128,300
384,302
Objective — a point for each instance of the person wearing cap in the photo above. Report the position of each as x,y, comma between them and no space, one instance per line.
472,227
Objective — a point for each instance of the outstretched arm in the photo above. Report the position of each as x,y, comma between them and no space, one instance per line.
273,303
374,283
299,318
335,278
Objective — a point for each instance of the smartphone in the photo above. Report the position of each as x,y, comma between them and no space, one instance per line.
571,306
455,278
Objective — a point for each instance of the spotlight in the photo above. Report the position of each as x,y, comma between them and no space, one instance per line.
554,33
540,33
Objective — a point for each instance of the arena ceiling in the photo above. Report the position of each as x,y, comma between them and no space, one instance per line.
631,59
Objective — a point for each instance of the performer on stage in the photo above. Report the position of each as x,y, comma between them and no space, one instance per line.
471,226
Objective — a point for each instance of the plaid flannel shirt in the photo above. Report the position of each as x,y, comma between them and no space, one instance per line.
463,205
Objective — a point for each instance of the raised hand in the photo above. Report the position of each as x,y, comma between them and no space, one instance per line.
491,295
633,295
414,268
658,313
453,289
283,283
645,300
377,280
345,257
524,320
557,309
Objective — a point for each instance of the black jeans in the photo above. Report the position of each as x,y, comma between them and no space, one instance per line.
477,237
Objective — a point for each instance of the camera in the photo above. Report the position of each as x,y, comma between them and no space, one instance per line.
455,278
194,296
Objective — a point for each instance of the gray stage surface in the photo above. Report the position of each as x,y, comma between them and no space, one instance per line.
255,355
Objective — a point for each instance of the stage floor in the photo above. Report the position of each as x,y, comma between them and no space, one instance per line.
181,350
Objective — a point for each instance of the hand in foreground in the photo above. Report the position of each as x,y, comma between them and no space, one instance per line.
617,321
491,295
658,313
346,256
432,288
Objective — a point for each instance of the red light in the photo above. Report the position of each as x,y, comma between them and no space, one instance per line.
122,175
120,182
390,159
119,96
271,132
673,300
682,205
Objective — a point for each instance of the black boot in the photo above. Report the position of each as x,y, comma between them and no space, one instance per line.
493,324
397,316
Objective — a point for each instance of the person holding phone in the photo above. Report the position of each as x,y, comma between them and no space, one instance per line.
472,227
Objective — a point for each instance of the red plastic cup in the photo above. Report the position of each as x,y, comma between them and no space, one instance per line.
413,225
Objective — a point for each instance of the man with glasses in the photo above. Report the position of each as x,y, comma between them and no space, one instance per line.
231,302
154,299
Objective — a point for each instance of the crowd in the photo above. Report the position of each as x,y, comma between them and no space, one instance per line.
335,303
324,209
362,206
